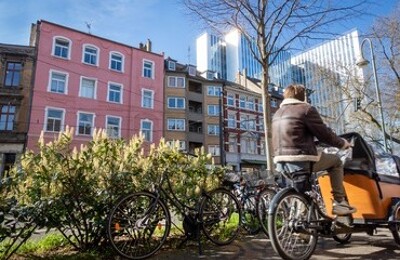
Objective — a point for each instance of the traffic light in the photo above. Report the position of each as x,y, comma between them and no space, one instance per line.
357,104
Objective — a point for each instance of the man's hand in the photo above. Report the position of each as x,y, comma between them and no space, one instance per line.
347,144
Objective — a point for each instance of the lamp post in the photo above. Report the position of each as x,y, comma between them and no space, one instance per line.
363,62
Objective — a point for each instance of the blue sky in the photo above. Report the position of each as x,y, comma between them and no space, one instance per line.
164,22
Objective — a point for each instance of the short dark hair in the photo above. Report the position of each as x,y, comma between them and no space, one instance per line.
296,91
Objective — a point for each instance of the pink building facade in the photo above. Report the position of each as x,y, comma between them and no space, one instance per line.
88,82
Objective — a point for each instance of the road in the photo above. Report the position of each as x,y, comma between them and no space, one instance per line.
362,246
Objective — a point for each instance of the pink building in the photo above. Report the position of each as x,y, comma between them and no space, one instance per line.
86,82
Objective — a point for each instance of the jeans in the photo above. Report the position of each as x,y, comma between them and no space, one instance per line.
332,164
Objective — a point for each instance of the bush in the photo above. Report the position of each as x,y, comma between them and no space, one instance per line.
73,190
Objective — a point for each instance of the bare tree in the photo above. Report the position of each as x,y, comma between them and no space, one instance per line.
386,33
275,26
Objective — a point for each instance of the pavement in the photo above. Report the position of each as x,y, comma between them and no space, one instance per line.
362,246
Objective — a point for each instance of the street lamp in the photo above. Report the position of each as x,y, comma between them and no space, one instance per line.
363,62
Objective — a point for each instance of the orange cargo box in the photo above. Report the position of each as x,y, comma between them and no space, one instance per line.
372,198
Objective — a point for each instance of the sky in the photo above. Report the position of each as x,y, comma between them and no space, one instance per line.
165,22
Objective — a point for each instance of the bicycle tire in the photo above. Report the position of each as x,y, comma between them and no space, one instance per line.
264,200
220,216
138,225
287,226
250,220
394,224
342,238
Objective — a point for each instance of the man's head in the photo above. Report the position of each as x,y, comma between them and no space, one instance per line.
296,91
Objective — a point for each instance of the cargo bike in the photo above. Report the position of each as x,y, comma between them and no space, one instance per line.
301,212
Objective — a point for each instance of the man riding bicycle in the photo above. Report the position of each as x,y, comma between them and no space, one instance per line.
295,125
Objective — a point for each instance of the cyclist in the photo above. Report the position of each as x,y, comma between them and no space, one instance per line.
295,125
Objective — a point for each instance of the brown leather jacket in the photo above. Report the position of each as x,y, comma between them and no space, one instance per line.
294,127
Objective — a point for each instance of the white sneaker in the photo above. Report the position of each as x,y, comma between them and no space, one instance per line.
342,208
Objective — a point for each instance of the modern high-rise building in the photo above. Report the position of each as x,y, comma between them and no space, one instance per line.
325,70
232,54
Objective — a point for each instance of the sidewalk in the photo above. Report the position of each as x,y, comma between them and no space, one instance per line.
361,246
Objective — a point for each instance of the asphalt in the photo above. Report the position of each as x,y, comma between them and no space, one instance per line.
362,246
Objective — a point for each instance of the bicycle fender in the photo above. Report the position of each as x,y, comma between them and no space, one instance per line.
273,204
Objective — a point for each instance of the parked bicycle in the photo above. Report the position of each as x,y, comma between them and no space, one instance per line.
139,223
254,198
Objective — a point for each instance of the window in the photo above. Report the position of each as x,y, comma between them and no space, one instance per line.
213,129
232,121
242,102
213,110
180,144
146,128
7,115
85,123
171,65
214,150
176,102
116,61
232,144
58,82
230,99
148,69
176,82
192,71
147,98
176,124
214,91
260,106
250,103
61,48
13,74
113,126
88,88
90,54
114,93
248,145
54,120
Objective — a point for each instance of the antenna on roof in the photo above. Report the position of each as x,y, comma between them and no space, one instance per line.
89,26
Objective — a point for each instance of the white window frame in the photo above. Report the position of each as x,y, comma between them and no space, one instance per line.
230,98
214,150
213,110
51,73
46,118
242,101
97,55
181,144
91,124
146,70
110,128
250,103
53,51
176,101
122,62
214,91
176,123
150,131
231,121
109,90
171,65
174,82
213,129
94,90
146,98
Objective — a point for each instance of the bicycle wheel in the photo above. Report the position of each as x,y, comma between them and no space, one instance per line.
220,215
138,225
250,221
394,224
264,200
287,226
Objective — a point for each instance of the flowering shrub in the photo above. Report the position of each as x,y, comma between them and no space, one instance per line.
73,190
